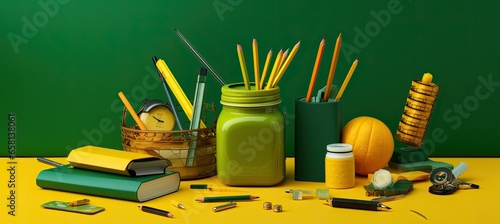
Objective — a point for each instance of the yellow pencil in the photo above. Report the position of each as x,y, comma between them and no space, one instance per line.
179,94
244,71
256,67
266,66
286,64
333,66
282,60
132,112
276,65
346,80
314,74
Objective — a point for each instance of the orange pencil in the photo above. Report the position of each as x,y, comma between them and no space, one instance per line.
333,66
346,80
132,112
256,71
319,55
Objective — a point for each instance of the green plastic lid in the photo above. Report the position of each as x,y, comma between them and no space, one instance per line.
236,94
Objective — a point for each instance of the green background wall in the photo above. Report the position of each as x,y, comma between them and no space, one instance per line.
62,63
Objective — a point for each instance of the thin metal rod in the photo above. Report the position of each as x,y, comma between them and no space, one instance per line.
198,55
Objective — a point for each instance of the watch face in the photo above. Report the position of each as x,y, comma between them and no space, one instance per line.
158,118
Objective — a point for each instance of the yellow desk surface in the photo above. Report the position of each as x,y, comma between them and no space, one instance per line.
463,206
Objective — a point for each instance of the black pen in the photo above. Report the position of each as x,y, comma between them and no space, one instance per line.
156,211
357,204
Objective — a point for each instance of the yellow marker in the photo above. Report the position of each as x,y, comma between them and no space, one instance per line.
286,64
346,80
272,75
132,111
266,66
79,202
243,65
179,94
256,67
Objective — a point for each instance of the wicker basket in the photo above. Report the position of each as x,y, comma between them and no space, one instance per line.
174,146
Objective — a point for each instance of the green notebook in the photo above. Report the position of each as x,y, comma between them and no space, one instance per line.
142,188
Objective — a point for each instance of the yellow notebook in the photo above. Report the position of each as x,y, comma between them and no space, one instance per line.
116,161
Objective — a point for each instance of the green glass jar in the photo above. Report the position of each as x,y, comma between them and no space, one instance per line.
250,137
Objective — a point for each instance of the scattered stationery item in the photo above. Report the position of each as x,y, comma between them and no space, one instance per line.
303,191
156,115
177,204
79,202
178,121
49,162
195,121
256,67
382,179
243,66
323,193
357,204
388,198
132,111
116,161
277,208
267,205
179,94
224,206
63,206
198,55
89,182
156,211
346,80
397,188
219,189
312,82
228,198
444,181
419,214
333,66
266,67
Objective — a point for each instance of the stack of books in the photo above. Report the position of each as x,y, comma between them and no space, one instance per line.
112,173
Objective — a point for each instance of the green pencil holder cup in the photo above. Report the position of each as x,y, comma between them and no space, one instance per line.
317,124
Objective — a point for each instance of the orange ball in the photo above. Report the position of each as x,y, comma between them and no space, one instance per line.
372,143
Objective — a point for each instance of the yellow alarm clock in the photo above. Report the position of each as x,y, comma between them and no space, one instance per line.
156,115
